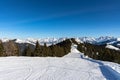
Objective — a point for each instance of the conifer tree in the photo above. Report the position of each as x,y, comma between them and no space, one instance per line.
52,50
11,48
27,51
37,50
45,45
1,48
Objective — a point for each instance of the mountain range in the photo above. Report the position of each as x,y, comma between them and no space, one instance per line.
110,42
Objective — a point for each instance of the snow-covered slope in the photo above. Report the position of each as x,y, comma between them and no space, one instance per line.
70,67
23,68
112,47
74,52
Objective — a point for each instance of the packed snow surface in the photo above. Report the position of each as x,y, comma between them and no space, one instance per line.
70,67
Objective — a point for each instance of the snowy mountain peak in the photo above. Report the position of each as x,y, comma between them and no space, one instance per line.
118,39
5,39
48,41
101,40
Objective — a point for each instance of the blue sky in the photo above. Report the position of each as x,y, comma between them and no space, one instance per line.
59,18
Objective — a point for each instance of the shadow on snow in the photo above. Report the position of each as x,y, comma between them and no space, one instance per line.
107,72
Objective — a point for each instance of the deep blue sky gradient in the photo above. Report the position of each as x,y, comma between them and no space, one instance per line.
59,18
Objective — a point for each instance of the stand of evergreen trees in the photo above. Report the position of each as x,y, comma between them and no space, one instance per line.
99,52
9,48
57,50
1,48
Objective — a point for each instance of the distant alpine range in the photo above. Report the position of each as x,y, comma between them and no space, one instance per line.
110,42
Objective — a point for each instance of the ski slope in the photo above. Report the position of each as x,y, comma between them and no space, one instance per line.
70,67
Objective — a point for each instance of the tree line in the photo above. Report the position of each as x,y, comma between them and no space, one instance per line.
11,48
99,52
57,50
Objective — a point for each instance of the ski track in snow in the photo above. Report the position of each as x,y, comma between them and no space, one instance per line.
70,67
22,68
107,71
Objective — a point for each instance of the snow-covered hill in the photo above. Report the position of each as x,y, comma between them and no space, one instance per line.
73,66
112,47
26,68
